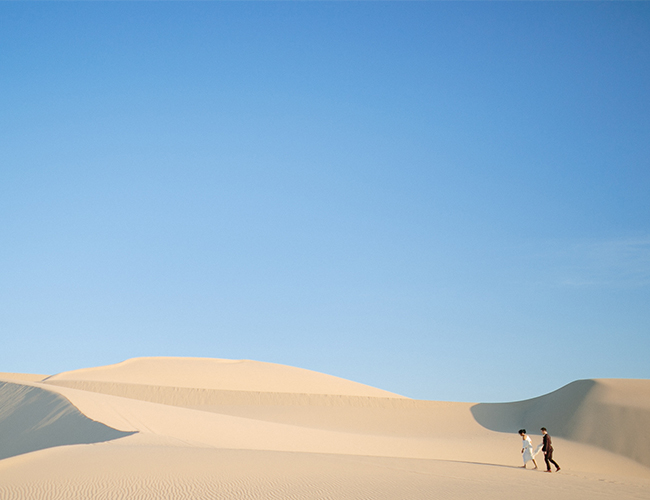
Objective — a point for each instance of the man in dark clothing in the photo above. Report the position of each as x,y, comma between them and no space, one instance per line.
547,448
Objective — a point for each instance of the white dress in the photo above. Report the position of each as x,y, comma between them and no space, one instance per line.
528,450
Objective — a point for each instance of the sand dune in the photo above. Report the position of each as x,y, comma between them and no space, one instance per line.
224,374
202,428
611,414
33,419
25,377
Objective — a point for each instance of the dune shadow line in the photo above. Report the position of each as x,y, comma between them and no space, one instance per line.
556,411
33,419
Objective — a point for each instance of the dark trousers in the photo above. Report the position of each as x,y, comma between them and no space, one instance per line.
548,458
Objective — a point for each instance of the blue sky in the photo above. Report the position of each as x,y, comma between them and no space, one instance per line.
444,200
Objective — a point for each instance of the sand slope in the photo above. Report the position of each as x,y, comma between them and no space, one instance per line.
224,374
613,414
185,428
32,419
166,472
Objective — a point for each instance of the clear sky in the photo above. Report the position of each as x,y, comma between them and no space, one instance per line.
445,200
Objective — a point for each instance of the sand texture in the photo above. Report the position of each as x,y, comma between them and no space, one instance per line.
174,428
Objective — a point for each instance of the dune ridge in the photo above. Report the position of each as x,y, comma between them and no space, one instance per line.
613,414
222,374
199,397
25,377
358,414
33,419
182,428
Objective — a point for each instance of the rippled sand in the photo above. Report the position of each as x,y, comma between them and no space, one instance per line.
176,428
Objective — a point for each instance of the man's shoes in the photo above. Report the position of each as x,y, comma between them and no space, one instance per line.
548,470
557,470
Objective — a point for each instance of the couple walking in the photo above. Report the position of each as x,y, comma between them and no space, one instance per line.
546,447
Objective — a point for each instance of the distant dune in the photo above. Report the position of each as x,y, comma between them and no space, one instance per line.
221,374
208,428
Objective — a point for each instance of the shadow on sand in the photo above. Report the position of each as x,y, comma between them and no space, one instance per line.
556,411
33,419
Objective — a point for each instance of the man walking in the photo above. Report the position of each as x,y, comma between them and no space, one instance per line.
547,448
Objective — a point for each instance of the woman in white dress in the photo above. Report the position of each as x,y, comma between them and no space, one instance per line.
527,449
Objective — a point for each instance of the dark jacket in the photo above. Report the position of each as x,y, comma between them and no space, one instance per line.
547,444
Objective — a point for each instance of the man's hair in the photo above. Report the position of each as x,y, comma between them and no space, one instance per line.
543,429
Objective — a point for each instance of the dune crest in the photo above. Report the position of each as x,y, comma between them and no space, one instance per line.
206,429
221,374
34,419
613,414
24,377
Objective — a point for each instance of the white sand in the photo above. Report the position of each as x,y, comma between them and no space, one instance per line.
202,428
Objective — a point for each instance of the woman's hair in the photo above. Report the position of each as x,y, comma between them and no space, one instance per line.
522,431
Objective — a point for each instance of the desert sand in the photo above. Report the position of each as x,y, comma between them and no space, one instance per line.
196,428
